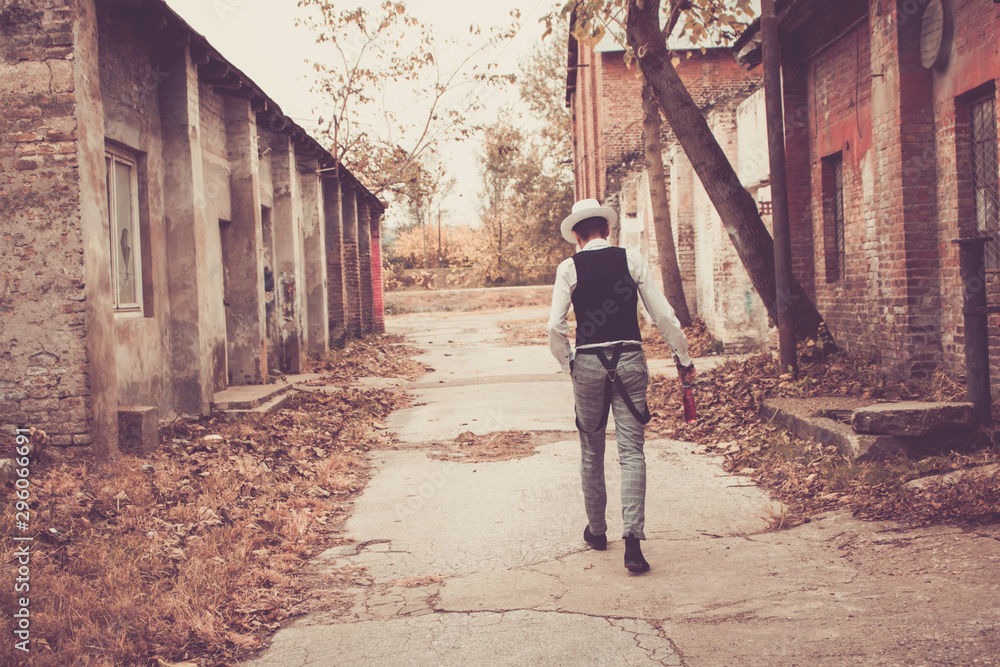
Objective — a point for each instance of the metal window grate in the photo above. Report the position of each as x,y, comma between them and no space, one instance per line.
838,215
833,216
985,175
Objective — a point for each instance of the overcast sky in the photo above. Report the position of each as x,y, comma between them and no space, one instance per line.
260,38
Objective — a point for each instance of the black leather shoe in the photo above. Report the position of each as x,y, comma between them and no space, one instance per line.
634,562
599,542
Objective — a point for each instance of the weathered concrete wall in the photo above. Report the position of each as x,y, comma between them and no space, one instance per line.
103,411
682,217
753,164
130,74
267,239
187,233
56,328
216,198
727,301
243,250
314,232
288,275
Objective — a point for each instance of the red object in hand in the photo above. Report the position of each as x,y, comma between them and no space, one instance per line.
690,411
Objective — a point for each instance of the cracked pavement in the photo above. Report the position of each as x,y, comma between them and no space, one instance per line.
457,563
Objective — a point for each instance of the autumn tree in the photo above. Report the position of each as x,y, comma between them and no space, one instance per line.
499,163
541,82
525,195
461,247
394,89
702,21
426,186
525,164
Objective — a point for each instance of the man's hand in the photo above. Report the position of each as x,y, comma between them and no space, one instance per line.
687,374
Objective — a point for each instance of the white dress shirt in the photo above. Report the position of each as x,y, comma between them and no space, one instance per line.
656,305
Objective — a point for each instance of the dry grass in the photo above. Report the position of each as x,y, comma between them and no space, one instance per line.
194,552
808,477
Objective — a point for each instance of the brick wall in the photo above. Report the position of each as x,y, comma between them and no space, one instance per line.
378,287
970,74
46,322
351,266
336,296
837,90
712,78
365,265
902,132
798,168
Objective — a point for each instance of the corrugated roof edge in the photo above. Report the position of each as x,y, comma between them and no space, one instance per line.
203,53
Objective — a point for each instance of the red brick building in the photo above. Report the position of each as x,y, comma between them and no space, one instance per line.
891,135
604,98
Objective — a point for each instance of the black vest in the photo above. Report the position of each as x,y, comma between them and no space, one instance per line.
604,299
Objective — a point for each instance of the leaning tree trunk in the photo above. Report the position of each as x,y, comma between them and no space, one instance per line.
673,288
736,207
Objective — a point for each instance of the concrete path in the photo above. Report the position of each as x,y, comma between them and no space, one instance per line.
457,563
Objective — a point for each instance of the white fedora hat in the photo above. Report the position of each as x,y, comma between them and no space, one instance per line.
587,208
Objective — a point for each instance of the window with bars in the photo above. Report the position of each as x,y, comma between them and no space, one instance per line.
833,217
123,213
986,173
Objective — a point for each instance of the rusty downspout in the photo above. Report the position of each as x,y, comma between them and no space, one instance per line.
779,187
977,354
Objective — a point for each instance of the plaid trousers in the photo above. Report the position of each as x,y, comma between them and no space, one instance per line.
589,379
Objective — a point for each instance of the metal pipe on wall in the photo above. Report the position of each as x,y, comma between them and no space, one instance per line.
972,269
779,187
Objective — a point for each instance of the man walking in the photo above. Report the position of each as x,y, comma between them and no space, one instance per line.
609,368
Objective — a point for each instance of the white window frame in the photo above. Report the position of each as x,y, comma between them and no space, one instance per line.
118,155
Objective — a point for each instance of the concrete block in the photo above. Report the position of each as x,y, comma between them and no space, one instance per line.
913,418
138,429
808,418
975,474
803,421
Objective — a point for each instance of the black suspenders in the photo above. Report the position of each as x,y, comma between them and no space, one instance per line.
612,382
